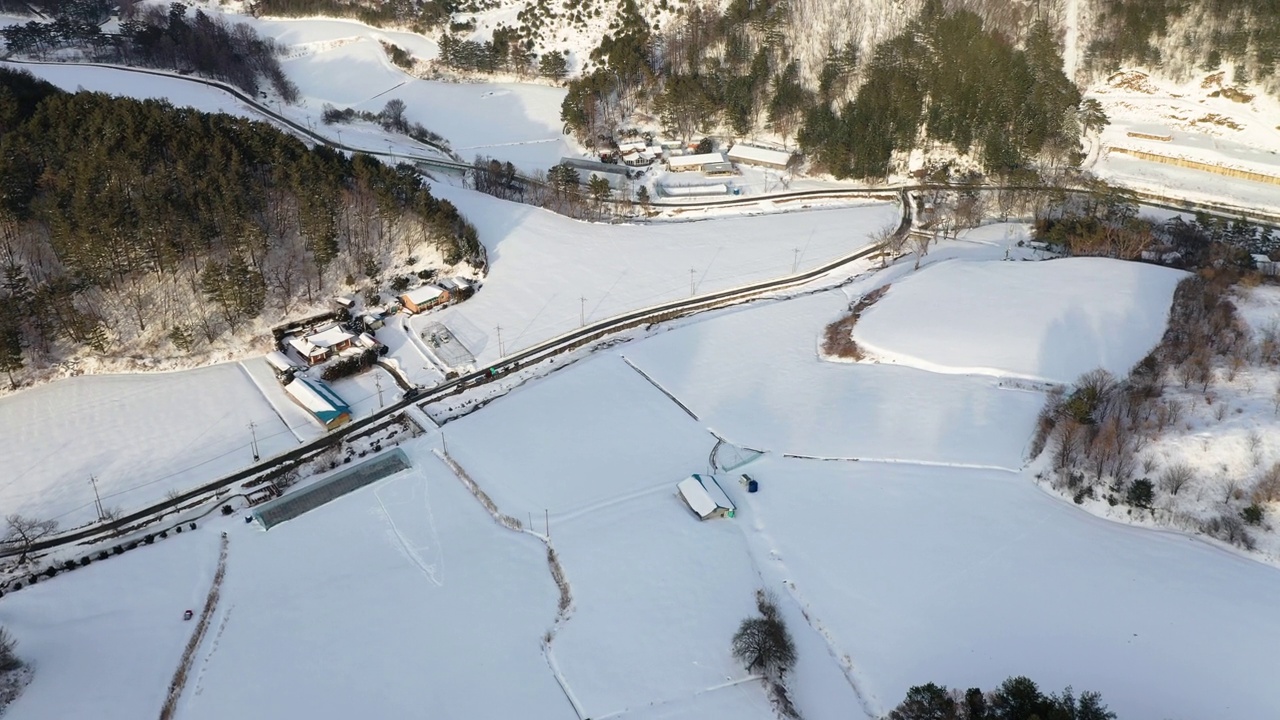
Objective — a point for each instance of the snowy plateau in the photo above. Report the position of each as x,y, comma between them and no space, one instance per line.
534,560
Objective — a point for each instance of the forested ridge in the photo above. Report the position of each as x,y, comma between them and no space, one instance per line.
945,80
161,37
1182,35
134,225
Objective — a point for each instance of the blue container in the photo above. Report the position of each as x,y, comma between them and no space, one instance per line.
752,486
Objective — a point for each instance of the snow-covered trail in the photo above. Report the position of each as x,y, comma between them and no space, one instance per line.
1071,39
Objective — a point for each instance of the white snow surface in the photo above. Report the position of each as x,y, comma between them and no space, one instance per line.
889,574
542,265
774,393
1040,320
139,435
142,86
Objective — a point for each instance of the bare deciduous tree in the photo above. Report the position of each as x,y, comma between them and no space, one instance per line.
764,643
8,658
1175,477
24,532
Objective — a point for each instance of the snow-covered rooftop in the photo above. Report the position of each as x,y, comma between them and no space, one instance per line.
280,361
704,495
749,154
304,347
424,294
694,161
317,397
330,337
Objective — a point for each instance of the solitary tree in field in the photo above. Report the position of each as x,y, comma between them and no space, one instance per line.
24,532
763,643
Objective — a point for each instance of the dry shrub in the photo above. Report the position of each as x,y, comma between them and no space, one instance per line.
1268,488
837,339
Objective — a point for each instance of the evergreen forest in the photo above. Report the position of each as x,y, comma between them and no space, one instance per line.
127,223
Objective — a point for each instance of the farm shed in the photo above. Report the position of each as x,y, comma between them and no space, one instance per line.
373,321
424,298
750,155
459,288
320,400
280,362
705,497
690,163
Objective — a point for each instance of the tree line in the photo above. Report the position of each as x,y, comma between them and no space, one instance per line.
945,79
1096,433
1017,698
162,38
420,16
126,221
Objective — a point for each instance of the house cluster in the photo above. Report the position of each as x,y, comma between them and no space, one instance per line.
441,292
329,341
639,153
315,396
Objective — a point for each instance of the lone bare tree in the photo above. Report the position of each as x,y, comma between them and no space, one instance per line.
763,643
24,532
1175,477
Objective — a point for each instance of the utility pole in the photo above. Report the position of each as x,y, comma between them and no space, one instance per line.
97,499
253,430
546,515
377,382
795,264
501,351
582,313
692,272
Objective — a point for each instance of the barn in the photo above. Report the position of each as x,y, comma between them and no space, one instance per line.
705,497
280,362
424,298
320,400
692,163
751,155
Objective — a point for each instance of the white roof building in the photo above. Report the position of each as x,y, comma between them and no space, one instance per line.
280,361
306,349
749,155
680,163
704,497
319,400
330,337
423,295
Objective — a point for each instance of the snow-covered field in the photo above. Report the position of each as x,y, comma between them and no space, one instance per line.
549,273
140,436
934,567
1070,316
823,409
512,122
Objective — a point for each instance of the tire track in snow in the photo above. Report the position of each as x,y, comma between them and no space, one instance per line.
410,552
